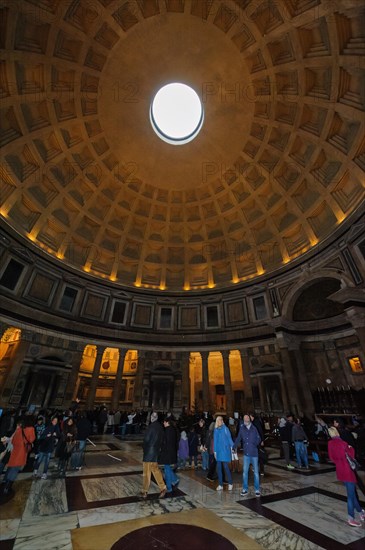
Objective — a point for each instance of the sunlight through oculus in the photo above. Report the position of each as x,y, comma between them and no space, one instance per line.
176,113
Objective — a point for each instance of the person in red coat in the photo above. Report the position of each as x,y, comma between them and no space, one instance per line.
21,440
337,449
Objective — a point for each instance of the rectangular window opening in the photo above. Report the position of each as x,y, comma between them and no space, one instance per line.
11,275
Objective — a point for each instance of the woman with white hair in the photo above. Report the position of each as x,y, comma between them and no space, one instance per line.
337,451
223,445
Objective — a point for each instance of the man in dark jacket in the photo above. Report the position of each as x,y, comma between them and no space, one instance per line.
168,454
258,425
84,429
46,447
152,442
250,439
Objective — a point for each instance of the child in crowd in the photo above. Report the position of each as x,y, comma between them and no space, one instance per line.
183,451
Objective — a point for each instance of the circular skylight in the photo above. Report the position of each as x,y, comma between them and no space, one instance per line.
176,113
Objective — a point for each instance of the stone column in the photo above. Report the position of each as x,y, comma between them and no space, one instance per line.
262,393
95,378
71,388
305,393
357,318
118,379
205,379
247,386
284,394
138,385
292,381
185,385
15,366
227,382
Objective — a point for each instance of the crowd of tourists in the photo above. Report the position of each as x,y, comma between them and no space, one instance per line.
190,441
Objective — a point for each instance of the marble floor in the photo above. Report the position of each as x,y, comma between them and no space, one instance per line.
99,508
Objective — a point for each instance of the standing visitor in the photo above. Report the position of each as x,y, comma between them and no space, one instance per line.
337,450
168,454
285,433
152,442
250,439
21,440
223,452
183,452
300,439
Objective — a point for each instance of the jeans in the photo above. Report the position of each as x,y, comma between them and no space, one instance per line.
205,460
352,500
301,453
170,477
12,472
226,470
181,462
123,429
286,451
42,457
254,460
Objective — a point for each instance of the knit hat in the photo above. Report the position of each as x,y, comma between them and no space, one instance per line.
154,417
183,435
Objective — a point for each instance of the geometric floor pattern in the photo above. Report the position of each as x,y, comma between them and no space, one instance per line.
99,508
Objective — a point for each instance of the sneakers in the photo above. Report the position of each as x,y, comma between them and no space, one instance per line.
44,476
353,522
35,472
219,488
290,467
362,515
243,493
163,493
257,494
230,487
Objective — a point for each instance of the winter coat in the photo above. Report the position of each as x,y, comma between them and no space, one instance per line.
152,442
336,453
258,425
223,444
250,439
47,441
193,440
84,428
183,451
168,454
285,432
209,442
19,454
298,433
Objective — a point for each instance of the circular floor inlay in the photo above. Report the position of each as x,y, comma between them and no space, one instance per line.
176,113
173,536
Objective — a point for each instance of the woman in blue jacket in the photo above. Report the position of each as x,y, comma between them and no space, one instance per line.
223,451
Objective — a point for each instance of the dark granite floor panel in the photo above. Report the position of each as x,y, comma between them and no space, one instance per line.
173,537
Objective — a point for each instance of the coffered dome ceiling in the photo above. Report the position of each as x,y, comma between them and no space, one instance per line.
277,166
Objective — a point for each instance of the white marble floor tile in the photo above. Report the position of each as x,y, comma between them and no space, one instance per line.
32,527
107,488
279,538
321,513
60,540
124,512
9,528
46,498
